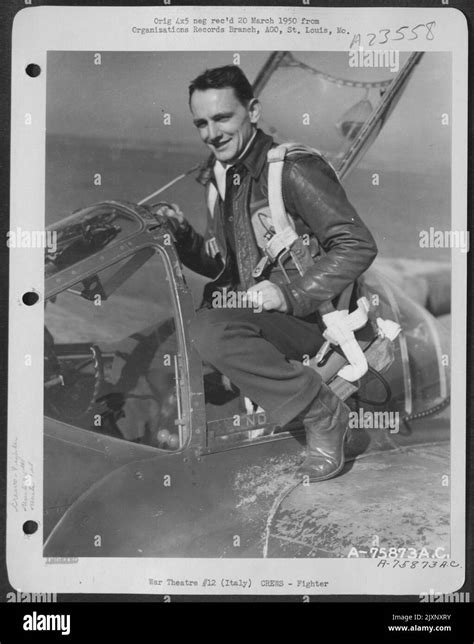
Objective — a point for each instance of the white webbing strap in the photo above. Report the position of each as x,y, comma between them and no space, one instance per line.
281,220
281,240
340,325
276,159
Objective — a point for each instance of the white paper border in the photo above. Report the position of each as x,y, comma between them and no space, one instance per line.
37,30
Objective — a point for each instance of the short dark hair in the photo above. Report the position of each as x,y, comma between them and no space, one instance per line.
221,78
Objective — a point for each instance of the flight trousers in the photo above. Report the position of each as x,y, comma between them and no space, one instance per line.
261,353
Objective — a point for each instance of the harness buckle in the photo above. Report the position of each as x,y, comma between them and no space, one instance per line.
260,267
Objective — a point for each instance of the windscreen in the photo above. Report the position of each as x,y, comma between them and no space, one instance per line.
111,354
318,98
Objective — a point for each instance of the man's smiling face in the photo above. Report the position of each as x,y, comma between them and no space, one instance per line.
225,125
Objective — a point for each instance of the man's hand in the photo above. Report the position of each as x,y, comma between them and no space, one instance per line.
267,295
173,212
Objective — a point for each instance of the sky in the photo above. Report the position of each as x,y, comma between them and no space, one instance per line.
125,98
108,118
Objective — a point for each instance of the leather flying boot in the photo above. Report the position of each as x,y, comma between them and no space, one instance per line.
326,422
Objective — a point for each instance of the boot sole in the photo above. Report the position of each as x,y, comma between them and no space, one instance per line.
317,479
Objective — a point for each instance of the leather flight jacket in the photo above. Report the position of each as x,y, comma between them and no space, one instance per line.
339,242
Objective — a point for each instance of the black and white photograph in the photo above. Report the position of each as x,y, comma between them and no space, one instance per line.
251,318
178,407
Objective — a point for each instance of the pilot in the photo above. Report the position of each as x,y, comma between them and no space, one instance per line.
261,350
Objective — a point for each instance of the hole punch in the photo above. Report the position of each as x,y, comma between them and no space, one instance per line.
33,70
30,527
29,298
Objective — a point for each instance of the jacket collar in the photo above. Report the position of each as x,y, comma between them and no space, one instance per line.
256,156
254,159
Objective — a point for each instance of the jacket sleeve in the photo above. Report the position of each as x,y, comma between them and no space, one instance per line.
192,251
312,191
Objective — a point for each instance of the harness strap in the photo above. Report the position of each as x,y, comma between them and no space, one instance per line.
282,223
340,325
